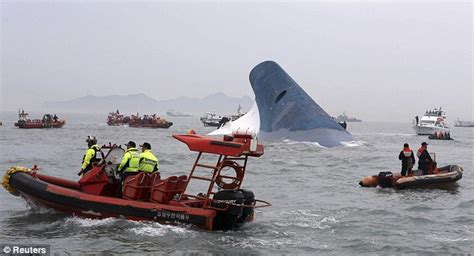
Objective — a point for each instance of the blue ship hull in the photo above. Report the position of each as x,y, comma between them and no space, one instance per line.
288,112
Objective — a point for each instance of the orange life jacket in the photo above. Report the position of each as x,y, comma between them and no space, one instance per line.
420,151
407,152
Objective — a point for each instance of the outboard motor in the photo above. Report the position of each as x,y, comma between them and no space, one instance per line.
385,179
227,219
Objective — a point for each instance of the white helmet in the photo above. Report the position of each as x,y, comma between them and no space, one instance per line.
91,138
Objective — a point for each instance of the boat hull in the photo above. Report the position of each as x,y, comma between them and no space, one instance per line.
429,130
432,137
432,180
74,202
446,176
39,125
153,126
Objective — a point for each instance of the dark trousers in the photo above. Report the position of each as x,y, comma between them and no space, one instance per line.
404,170
424,168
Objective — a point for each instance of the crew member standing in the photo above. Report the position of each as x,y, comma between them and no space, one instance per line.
148,161
130,161
90,157
424,158
408,159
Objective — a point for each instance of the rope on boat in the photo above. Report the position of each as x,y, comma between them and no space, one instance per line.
8,174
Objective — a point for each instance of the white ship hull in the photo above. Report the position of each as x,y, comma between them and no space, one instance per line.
429,130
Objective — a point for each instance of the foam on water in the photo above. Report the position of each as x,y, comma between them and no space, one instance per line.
155,229
86,222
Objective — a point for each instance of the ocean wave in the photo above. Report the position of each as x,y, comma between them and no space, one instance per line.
306,219
87,222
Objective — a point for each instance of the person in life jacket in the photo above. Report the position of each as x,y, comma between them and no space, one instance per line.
424,158
130,161
408,159
148,161
91,156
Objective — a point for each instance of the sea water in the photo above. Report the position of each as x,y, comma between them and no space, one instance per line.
317,205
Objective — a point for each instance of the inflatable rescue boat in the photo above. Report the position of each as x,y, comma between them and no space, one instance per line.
221,203
441,177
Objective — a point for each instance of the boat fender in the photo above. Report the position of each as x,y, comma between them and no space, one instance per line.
236,180
229,201
249,200
385,179
8,174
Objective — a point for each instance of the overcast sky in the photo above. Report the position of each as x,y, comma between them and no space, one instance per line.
377,61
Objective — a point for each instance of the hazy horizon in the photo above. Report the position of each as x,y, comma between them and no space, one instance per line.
386,61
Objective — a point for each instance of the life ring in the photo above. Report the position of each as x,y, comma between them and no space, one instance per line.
236,180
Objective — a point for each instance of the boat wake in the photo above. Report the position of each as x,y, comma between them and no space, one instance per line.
87,223
154,229
306,219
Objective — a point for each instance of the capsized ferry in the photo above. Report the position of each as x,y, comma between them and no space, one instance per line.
222,204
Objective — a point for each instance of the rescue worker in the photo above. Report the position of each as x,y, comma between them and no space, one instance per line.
408,159
148,161
424,158
130,161
90,157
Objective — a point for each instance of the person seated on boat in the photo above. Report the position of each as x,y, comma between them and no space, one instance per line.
55,118
408,159
148,161
130,161
90,157
424,158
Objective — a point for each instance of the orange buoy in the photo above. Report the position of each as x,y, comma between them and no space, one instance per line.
369,181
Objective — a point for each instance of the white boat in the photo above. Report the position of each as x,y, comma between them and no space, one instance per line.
459,123
211,119
431,122
176,113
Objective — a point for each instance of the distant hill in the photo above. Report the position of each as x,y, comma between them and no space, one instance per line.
127,104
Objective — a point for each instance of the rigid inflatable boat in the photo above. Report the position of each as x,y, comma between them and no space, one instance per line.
221,204
446,175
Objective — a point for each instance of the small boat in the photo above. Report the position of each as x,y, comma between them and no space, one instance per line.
460,123
177,114
48,121
211,119
438,137
117,119
431,122
344,118
444,176
221,204
149,121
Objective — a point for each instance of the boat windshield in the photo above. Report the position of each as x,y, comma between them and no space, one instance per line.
114,156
